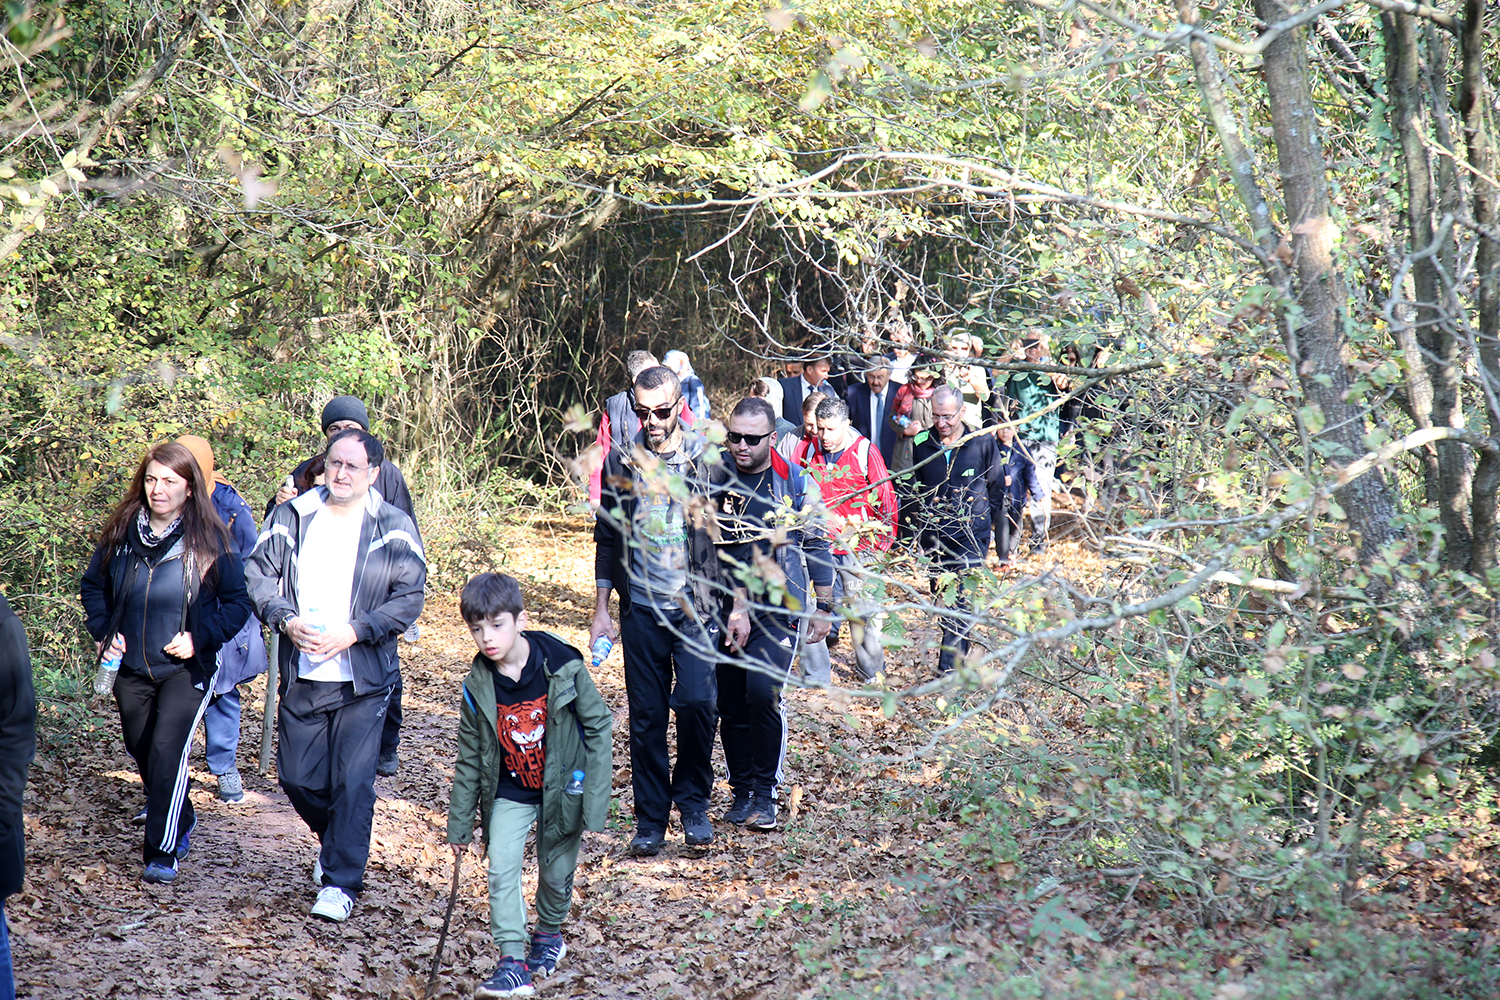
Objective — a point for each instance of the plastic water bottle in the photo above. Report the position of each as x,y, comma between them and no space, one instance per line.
601,648
312,621
104,680
575,787
903,420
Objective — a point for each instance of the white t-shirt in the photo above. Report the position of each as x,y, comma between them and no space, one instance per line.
325,587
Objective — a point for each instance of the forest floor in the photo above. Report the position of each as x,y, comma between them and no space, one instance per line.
883,880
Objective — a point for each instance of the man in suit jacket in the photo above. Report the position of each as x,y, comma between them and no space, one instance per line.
870,406
795,388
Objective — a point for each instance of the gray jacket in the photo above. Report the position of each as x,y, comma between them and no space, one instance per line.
390,572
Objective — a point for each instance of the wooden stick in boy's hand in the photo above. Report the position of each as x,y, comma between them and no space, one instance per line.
437,958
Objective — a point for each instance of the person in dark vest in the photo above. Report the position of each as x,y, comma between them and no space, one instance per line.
17,747
348,413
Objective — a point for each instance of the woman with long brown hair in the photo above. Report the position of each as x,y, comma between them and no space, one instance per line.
163,591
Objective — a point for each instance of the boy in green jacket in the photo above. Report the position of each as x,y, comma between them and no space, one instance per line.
531,722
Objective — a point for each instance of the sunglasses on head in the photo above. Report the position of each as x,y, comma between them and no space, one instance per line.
660,412
751,439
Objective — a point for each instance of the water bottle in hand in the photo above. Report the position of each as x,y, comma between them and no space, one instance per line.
575,787
601,648
313,619
104,680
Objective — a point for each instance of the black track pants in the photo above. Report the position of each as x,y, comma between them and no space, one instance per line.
329,743
158,719
752,717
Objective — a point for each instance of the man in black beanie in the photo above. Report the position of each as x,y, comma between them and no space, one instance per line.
17,746
346,413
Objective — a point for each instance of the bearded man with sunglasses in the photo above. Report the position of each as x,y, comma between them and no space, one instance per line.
657,555
771,540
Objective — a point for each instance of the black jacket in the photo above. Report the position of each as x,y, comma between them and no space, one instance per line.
17,745
962,497
211,609
390,573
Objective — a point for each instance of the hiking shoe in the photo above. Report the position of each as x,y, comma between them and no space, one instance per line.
647,843
185,842
762,814
697,830
512,979
388,764
231,787
333,905
738,809
139,819
546,951
1037,548
160,872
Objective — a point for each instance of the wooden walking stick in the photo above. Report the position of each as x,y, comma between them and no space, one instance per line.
437,958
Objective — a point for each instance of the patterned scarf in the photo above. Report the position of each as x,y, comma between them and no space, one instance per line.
153,539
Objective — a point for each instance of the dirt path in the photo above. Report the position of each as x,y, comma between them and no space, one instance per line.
749,917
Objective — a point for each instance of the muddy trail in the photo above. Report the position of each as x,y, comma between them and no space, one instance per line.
749,916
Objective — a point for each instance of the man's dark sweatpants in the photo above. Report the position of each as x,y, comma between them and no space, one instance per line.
329,739
390,733
158,719
752,719
664,670
955,630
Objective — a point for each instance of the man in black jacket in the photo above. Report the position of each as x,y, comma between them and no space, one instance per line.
341,573
961,490
345,413
17,747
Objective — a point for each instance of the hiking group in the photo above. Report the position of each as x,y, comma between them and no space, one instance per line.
815,480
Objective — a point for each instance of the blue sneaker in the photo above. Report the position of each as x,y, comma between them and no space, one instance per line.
160,872
546,951
185,842
512,979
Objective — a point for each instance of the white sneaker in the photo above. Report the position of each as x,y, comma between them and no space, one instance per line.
317,873
333,904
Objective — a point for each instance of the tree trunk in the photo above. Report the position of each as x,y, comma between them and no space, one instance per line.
1473,98
1314,331
1428,342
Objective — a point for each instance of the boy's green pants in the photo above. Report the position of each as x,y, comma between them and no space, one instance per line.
509,824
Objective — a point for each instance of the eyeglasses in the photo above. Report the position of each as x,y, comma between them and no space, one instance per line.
335,467
751,439
660,412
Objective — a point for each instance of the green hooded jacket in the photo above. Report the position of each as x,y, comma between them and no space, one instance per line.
577,739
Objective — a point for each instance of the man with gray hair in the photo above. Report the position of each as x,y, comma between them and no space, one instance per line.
961,496
663,564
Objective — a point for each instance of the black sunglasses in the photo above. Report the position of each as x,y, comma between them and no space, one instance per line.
661,412
751,439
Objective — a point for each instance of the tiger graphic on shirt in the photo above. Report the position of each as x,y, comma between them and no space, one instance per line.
521,728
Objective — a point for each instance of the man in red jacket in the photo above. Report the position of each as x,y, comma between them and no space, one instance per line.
861,522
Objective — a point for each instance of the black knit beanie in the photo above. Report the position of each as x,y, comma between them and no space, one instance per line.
345,408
